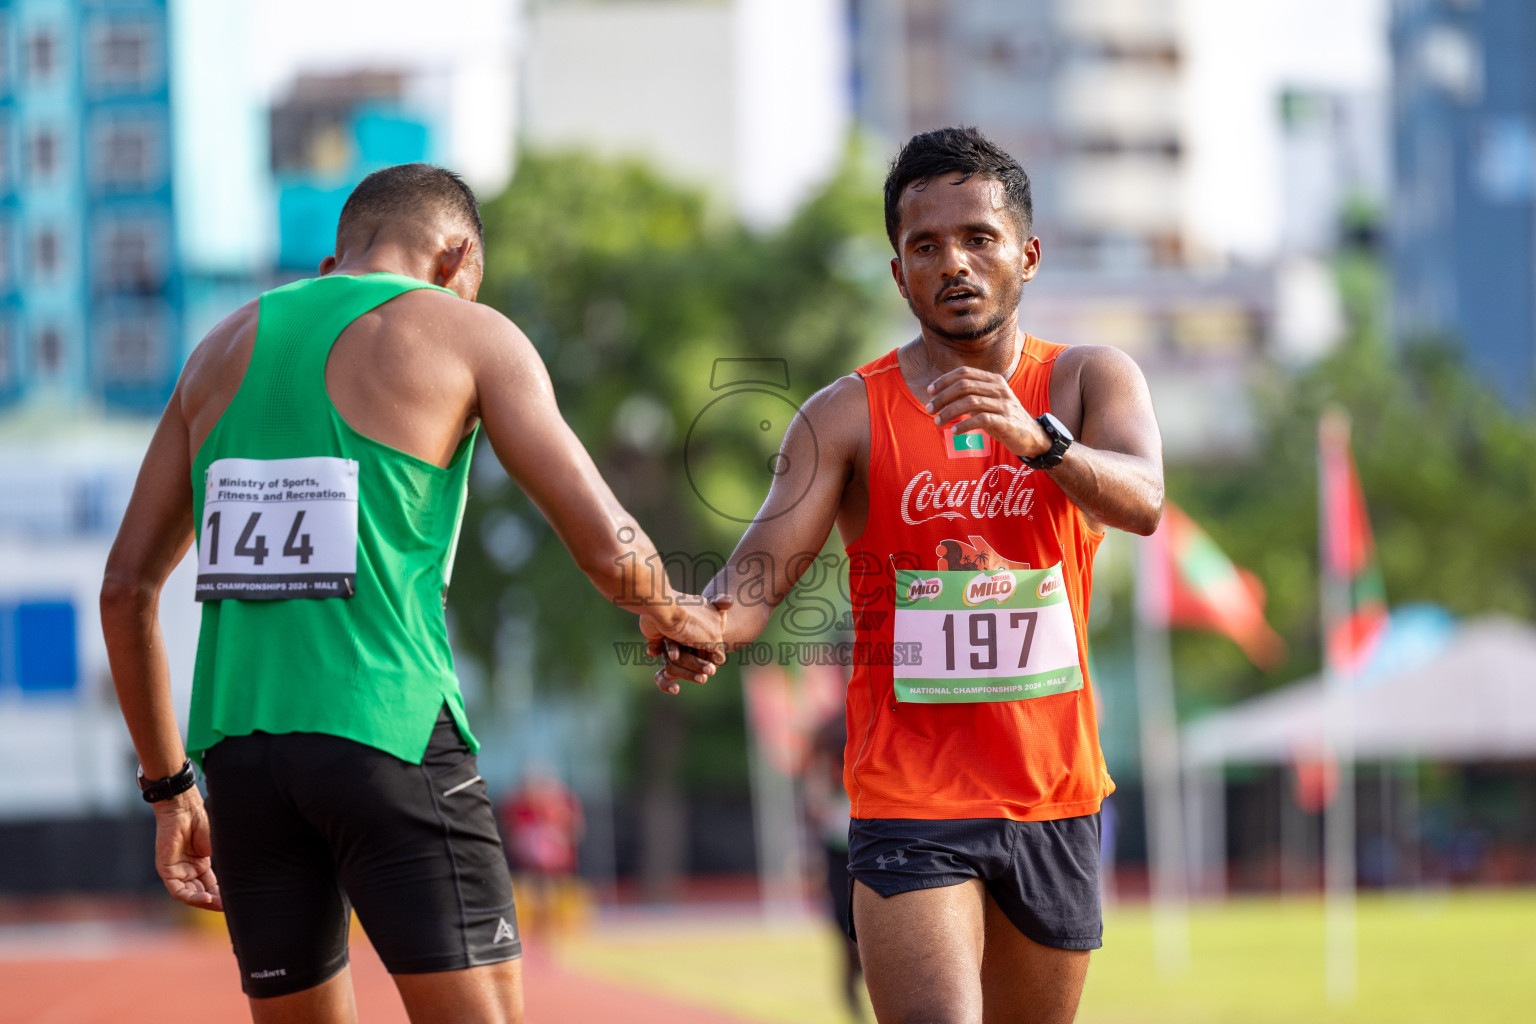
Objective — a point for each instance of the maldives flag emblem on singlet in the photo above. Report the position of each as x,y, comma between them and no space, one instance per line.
974,444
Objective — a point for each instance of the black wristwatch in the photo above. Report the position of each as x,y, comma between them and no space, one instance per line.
155,790
1061,440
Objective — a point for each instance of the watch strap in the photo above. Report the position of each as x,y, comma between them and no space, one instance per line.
155,790
1051,457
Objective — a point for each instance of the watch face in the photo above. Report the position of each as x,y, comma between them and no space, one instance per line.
1055,426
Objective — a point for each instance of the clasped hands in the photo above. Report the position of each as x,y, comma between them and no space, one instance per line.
690,636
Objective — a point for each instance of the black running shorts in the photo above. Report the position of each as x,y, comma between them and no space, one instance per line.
1044,875
307,826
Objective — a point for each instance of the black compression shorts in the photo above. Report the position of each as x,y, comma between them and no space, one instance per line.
1043,875
839,887
306,827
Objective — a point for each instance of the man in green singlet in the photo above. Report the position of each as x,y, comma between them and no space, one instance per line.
316,450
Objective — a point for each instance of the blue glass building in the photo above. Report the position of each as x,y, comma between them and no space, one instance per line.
90,283
1463,222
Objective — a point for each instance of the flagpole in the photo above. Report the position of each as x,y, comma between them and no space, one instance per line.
1338,728
1160,761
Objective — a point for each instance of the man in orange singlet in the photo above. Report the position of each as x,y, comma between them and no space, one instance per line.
971,473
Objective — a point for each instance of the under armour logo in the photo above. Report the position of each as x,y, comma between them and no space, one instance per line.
504,931
896,857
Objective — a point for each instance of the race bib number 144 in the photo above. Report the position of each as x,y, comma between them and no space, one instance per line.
275,529
994,635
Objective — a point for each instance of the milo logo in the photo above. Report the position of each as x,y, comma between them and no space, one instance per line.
990,586
1049,586
929,588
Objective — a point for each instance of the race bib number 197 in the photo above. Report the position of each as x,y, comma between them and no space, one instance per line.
993,635
275,529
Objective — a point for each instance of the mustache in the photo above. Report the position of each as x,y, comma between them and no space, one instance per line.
976,290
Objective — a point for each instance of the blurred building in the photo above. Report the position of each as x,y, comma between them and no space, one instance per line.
1333,155
91,315
747,98
1200,338
90,282
66,763
1085,92
327,133
1333,177
1463,229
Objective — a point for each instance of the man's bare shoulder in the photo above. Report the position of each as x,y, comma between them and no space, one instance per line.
236,332
472,328
1095,369
838,414
1099,361
219,361
443,306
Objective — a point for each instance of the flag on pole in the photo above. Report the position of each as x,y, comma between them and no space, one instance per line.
1354,618
1190,583
1349,552
771,713
1315,779
784,710
1155,705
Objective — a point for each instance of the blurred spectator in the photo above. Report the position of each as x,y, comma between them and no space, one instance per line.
1465,853
827,807
543,824
1109,821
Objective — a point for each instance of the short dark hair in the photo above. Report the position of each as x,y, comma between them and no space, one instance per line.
945,151
407,190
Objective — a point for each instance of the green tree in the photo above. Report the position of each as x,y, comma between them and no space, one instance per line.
631,289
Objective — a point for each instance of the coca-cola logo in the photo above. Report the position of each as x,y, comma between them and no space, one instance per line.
1000,491
925,588
990,586
1048,586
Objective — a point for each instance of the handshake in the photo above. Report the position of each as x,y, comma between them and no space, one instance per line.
690,637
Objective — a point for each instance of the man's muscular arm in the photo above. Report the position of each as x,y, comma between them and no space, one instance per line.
817,458
1114,469
155,533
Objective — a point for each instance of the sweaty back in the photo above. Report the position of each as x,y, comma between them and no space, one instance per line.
324,555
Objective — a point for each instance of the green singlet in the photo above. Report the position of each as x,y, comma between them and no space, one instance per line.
323,555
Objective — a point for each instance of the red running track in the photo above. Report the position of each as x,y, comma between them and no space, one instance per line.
155,978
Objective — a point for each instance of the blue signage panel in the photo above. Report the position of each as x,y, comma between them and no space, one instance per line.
41,647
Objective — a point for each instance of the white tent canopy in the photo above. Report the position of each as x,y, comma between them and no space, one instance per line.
1474,700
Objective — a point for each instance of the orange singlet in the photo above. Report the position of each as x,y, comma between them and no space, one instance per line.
967,520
